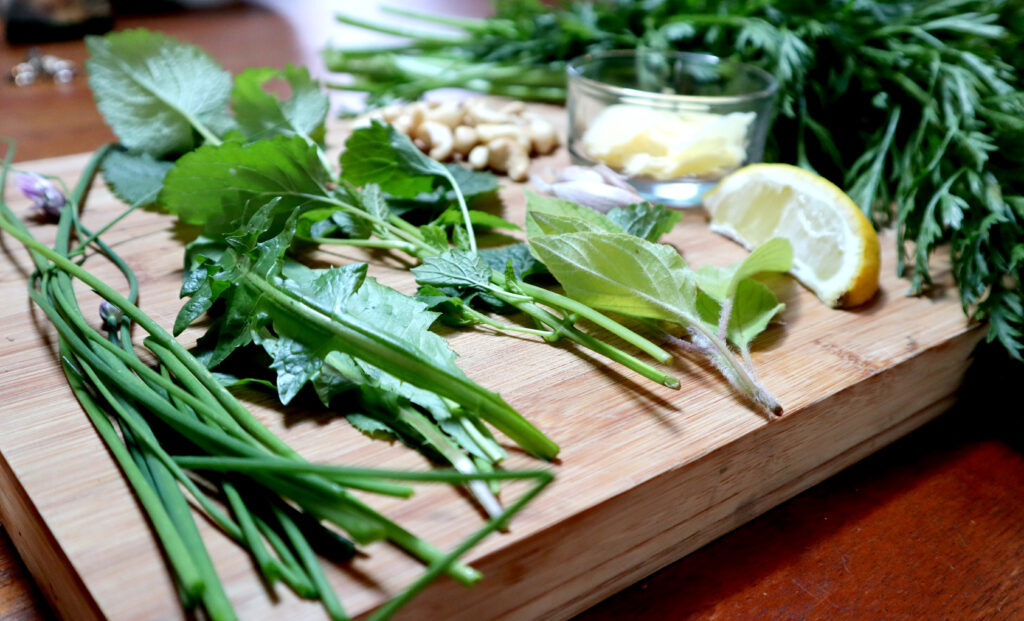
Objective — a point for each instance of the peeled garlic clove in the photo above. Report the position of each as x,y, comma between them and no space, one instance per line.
611,177
596,195
579,173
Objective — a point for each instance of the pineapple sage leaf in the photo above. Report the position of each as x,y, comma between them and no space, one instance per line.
625,274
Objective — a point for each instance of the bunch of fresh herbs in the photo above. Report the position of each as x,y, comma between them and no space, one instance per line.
914,106
183,441
245,164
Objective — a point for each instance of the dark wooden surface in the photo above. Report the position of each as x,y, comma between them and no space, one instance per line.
931,527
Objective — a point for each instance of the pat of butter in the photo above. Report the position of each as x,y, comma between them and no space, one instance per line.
664,145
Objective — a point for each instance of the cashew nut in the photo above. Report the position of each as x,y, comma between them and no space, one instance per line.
499,136
478,157
409,120
437,138
448,113
490,132
477,111
513,108
465,139
542,134
508,155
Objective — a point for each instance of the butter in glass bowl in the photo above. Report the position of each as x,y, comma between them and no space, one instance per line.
673,123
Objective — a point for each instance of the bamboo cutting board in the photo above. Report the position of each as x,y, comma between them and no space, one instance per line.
645,476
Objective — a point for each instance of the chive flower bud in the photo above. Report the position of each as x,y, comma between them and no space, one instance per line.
111,316
43,193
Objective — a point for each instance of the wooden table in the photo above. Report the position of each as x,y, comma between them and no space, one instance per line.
931,527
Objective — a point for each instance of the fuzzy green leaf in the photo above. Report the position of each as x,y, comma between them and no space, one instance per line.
135,178
645,220
455,268
261,114
622,274
382,155
213,185
775,255
154,90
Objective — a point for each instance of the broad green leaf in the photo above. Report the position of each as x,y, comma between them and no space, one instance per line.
382,155
775,255
154,91
261,114
621,273
455,268
551,224
753,309
472,182
135,178
213,185
538,204
645,220
408,321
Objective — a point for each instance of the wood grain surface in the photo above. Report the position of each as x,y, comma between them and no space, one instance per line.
651,473
880,537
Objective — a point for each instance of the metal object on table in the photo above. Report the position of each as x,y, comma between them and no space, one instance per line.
38,65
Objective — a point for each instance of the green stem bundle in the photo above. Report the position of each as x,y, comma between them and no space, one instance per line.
177,412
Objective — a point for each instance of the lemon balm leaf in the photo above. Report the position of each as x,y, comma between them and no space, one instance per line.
753,309
135,178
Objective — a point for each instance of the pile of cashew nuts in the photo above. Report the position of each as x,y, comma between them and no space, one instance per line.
473,131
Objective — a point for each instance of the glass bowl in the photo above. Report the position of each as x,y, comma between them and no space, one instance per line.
673,123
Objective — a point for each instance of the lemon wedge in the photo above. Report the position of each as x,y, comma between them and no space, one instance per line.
835,248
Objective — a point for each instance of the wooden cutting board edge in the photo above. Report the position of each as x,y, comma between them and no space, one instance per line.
565,593
562,589
562,584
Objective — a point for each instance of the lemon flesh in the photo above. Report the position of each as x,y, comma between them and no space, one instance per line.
835,248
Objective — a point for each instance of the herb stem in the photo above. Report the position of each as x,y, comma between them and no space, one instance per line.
393,357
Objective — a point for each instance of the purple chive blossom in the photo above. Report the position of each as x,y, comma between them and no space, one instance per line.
43,193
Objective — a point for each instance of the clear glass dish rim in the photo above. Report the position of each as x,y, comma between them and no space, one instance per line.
573,68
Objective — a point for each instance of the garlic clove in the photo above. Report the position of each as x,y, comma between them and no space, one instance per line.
596,195
579,173
611,177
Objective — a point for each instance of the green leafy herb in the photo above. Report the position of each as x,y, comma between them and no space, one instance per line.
913,106
158,422
260,114
135,178
629,275
157,93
